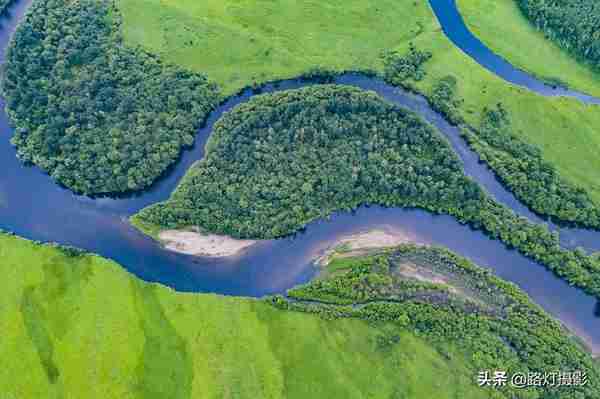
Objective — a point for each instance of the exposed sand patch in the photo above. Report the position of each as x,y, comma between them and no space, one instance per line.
413,271
410,270
374,239
359,243
200,244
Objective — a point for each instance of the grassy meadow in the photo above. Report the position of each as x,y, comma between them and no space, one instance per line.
500,24
81,327
565,130
237,43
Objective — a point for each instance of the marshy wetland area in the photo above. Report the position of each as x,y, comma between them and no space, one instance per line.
299,199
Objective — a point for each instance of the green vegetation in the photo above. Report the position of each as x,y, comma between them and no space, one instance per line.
76,325
399,67
500,24
281,160
519,165
563,129
98,116
439,295
572,24
237,42
84,141
522,168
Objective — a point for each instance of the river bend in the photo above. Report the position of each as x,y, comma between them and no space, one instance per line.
33,206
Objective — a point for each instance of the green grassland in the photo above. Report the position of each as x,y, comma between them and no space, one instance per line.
439,295
80,326
238,43
503,28
566,130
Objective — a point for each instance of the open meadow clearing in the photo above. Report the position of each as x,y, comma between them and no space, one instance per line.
237,44
80,326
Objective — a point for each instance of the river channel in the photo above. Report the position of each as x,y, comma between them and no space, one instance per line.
33,206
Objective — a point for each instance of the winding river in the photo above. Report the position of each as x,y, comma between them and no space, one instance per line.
33,206
456,30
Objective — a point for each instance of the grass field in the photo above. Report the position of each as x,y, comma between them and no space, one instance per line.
81,327
239,42
500,24
566,130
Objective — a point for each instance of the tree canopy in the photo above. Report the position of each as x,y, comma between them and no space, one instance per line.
97,116
519,165
573,24
279,161
491,319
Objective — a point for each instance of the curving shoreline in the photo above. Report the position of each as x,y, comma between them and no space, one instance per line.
361,242
458,33
197,243
38,209
372,241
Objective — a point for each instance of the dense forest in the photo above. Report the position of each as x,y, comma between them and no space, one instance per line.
281,160
573,24
519,165
97,116
491,319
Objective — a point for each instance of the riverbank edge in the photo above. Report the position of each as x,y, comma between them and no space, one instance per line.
192,240
361,243
318,74
379,241
554,81
126,318
578,273
327,76
485,277
368,250
370,243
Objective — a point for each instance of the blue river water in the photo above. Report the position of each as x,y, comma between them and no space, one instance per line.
456,30
33,206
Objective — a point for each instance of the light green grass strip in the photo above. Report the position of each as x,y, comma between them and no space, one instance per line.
240,42
504,29
565,129
104,334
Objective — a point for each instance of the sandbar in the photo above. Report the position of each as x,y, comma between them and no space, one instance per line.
202,244
358,243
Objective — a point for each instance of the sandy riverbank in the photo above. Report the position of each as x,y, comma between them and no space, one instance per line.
361,242
200,244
